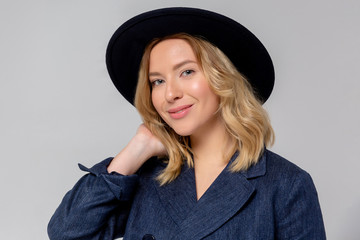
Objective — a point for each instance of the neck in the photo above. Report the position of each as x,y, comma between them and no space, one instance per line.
212,147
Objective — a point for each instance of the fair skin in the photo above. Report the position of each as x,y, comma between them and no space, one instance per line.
182,97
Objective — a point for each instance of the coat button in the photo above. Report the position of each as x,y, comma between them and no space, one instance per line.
148,237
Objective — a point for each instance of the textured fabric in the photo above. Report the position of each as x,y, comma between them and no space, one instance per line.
274,199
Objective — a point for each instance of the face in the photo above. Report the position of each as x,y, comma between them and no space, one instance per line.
180,91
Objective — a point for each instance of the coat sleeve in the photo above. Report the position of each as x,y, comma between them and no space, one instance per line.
300,216
97,206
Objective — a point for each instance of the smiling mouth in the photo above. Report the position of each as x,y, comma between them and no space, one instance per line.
179,109
180,112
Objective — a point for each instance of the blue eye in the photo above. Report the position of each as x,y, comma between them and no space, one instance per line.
187,72
157,82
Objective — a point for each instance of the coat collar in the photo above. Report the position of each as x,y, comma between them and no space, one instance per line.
257,170
224,198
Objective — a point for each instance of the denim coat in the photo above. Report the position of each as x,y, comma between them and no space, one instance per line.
274,199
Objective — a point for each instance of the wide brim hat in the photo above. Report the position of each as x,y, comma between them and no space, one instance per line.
127,45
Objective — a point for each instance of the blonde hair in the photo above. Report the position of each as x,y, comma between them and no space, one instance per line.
245,119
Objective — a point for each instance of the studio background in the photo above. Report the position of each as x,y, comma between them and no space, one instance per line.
58,106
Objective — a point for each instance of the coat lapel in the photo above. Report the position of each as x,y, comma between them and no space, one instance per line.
179,197
224,198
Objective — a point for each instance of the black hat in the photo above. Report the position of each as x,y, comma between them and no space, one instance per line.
126,47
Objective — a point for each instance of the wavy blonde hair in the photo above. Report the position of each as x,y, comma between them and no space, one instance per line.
245,119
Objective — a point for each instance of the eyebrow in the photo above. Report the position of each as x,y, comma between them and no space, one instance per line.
177,66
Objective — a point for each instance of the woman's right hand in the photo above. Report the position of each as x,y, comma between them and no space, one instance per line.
140,148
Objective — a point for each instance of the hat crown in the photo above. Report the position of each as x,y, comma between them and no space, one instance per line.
247,53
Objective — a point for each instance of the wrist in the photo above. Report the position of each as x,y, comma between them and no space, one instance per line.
131,158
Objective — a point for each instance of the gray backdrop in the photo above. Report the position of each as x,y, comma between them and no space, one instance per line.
58,106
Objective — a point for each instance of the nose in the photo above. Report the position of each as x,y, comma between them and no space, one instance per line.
173,90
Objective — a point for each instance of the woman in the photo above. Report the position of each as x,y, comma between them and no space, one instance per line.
198,167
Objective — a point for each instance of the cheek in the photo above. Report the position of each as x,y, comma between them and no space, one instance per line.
201,90
155,98
197,89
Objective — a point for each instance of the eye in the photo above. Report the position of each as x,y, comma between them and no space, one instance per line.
187,72
156,82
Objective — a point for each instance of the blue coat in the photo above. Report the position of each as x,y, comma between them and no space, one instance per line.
274,199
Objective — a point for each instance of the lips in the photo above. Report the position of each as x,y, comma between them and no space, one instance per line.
179,112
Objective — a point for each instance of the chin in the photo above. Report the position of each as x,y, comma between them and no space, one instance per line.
183,131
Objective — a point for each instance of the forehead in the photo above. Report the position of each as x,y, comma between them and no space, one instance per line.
172,49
